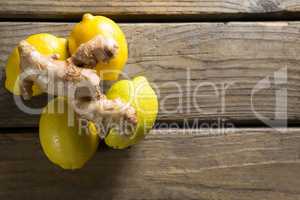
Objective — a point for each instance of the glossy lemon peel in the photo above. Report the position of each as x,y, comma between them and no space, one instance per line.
142,97
46,44
89,27
64,144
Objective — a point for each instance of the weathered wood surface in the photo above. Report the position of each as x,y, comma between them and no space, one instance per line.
201,71
176,164
155,9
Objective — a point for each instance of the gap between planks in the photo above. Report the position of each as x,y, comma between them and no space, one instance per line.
158,10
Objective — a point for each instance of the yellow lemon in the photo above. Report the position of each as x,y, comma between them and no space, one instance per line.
142,97
46,44
62,142
91,26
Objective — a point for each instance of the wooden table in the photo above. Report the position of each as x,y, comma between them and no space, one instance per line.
175,44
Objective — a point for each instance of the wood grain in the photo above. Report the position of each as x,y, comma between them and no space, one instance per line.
244,164
143,9
202,71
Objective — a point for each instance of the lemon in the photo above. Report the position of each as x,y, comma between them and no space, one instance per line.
142,97
64,144
91,26
46,44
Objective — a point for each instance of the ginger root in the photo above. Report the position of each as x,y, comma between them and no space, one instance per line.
74,79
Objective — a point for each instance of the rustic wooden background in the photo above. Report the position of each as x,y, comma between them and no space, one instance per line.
216,41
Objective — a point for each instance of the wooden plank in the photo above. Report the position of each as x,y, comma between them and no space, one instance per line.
244,164
203,71
155,9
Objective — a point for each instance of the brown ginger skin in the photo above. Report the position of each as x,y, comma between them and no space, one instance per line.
73,79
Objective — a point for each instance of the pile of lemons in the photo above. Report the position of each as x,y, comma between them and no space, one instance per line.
64,144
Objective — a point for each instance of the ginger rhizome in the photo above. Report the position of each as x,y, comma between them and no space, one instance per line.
74,79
